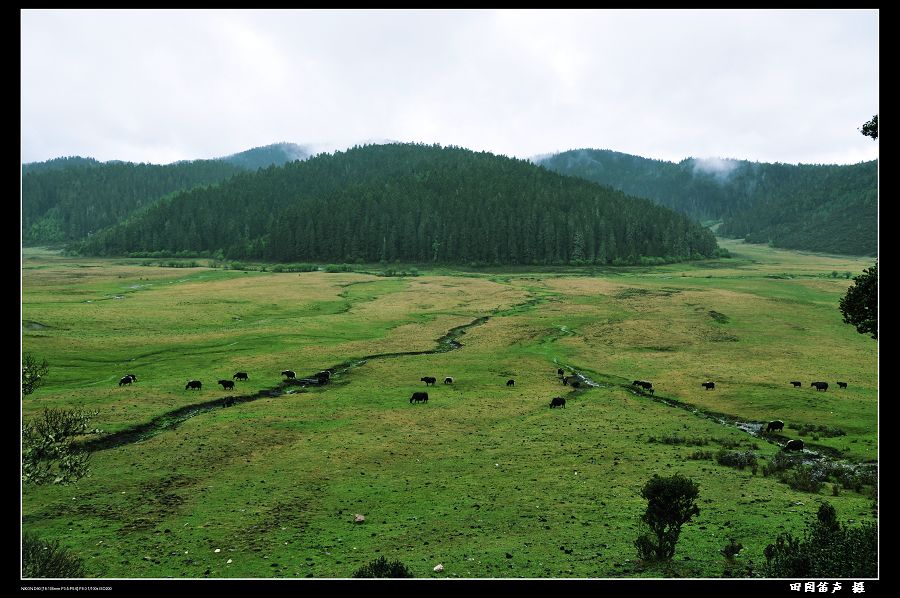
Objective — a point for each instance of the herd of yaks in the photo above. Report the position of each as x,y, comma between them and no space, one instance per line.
792,445
324,376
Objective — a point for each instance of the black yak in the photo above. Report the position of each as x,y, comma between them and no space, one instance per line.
794,445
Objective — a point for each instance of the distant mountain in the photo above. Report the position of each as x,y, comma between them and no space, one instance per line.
269,155
828,208
66,204
65,199
415,203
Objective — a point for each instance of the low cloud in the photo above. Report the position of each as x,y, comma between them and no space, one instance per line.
721,168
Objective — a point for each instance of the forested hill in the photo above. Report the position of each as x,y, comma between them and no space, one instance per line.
84,196
407,202
65,199
829,208
275,154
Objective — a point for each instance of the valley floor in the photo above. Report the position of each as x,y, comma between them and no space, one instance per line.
485,478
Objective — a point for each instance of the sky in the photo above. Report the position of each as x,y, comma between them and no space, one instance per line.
792,86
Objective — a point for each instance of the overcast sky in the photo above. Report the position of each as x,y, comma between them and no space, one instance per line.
165,85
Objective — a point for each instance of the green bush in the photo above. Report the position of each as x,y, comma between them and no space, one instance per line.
827,431
333,268
679,440
41,558
49,451
671,502
382,568
699,455
828,548
804,478
780,462
295,268
739,459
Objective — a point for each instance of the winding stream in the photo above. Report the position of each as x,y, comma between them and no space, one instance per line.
172,419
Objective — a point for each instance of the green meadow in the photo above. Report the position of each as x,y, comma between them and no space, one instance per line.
485,478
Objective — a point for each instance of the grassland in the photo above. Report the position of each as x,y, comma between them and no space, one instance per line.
484,478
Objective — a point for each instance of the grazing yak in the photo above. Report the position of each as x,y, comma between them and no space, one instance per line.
708,385
324,376
820,385
796,384
775,425
126,380
558,402
448,380
240,376
226,384
132,376
565,380
419,397
510,382
227,402
560,372
193,384
794,445
428,380
643,384
842,385
289,373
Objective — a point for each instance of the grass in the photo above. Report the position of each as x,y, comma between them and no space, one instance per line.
485,479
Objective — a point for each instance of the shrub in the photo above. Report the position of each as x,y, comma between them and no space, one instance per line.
33,373
698,455
671,502
804,478
732,567
41,558
294,268
333,268
828,548
827,431
49,452
780,462
739,459
679,440
382,568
